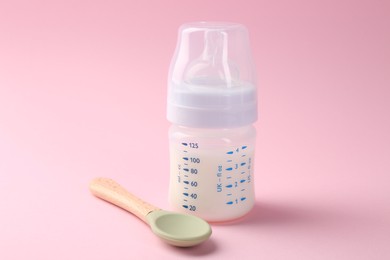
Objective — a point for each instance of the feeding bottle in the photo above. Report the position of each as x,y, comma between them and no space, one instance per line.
212,105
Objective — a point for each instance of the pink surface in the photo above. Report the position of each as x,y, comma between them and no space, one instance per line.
82,94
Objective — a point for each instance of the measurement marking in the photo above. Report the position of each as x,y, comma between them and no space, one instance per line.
242,172
228,177
185,151
242,189
185,158
185,206
185,169
229,194
243,155
230,152
229,160
186,176
229,202
185,144
242,181
185,200
229,169
242,164
243,198
186,164
186,188
244,147
185,194
229,186
186,182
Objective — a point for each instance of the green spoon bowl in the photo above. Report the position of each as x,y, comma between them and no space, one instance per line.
178,229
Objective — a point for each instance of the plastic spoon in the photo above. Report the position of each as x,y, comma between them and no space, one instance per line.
174,228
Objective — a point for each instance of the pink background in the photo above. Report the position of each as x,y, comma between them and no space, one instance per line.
82,94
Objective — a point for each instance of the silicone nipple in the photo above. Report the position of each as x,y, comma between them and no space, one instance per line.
212,67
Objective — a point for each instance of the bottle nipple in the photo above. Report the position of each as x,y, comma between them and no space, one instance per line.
212,67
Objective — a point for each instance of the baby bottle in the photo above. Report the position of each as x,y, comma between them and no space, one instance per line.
212,104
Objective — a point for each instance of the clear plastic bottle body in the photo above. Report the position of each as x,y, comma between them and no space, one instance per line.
212,104
211,171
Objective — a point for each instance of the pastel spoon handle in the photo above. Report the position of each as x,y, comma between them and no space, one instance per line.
114,193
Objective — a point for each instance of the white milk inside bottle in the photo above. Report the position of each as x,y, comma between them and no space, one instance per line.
212,172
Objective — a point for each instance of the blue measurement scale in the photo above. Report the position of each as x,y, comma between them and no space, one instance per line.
225,180
189,170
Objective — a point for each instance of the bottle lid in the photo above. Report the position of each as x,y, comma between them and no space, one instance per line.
212,82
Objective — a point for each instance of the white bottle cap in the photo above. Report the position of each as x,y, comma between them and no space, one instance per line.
212,82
